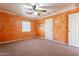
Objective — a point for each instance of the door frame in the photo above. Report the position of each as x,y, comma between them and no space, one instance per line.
51,26
70,31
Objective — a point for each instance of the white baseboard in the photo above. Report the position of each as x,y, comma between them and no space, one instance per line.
59,42
16,40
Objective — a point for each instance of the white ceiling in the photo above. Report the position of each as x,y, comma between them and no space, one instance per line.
52,8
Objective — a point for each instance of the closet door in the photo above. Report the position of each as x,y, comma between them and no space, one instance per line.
49,29
73,34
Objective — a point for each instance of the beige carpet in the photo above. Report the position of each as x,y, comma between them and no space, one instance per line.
37,47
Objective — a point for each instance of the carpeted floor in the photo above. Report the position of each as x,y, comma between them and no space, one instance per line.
37,47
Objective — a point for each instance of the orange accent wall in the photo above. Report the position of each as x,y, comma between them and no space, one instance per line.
11,28
60,29
60,25
40,32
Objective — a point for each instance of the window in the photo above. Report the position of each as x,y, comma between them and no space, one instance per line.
26,26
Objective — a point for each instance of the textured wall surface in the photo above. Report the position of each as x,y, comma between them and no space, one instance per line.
11,28
60,25
60,29
40,32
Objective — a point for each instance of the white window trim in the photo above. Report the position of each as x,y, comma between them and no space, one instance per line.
26,26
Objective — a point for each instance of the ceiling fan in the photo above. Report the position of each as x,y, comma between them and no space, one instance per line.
35,9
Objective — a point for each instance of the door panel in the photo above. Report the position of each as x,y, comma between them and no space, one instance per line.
73,38
49,29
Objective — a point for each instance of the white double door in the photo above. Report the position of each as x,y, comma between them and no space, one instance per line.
49,29
73,29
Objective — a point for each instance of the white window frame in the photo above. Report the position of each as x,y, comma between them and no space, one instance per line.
26,26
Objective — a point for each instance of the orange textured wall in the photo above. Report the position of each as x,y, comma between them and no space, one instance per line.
60,29
60,25
11,28
40,32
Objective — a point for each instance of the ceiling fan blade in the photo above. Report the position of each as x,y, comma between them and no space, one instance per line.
38,14
46,7
28,9
43,10
29,12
